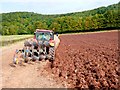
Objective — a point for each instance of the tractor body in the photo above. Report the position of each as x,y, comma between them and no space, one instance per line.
42,46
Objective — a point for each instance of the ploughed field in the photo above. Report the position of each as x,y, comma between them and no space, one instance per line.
88,60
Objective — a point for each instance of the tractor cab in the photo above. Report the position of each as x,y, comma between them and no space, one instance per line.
45,35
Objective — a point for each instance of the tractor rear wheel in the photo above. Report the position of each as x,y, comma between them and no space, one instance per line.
52,54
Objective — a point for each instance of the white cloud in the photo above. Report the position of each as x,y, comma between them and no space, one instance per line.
41,0
61,1
53,6
87,1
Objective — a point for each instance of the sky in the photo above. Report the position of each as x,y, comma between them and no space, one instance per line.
52,6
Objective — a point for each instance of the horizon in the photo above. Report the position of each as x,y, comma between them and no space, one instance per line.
62,7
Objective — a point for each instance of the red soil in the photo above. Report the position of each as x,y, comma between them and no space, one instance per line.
88,60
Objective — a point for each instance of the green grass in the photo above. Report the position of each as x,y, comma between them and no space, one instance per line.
5,40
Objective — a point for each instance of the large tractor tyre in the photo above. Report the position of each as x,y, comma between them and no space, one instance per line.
52,54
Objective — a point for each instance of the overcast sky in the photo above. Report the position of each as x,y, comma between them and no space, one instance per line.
52,6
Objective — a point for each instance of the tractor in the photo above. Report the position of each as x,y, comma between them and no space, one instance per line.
42,46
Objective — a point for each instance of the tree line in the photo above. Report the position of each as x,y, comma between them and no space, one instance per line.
14,23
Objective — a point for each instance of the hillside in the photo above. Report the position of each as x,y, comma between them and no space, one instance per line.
26,22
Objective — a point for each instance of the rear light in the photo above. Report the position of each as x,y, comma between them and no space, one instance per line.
51,39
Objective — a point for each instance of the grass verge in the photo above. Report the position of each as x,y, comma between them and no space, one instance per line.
5,40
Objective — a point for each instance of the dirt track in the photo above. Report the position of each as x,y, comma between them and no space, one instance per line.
31,75
88,60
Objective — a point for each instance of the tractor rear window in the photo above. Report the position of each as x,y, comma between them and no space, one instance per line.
43,36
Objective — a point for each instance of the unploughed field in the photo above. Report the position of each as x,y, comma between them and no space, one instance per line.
5,40
88,60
